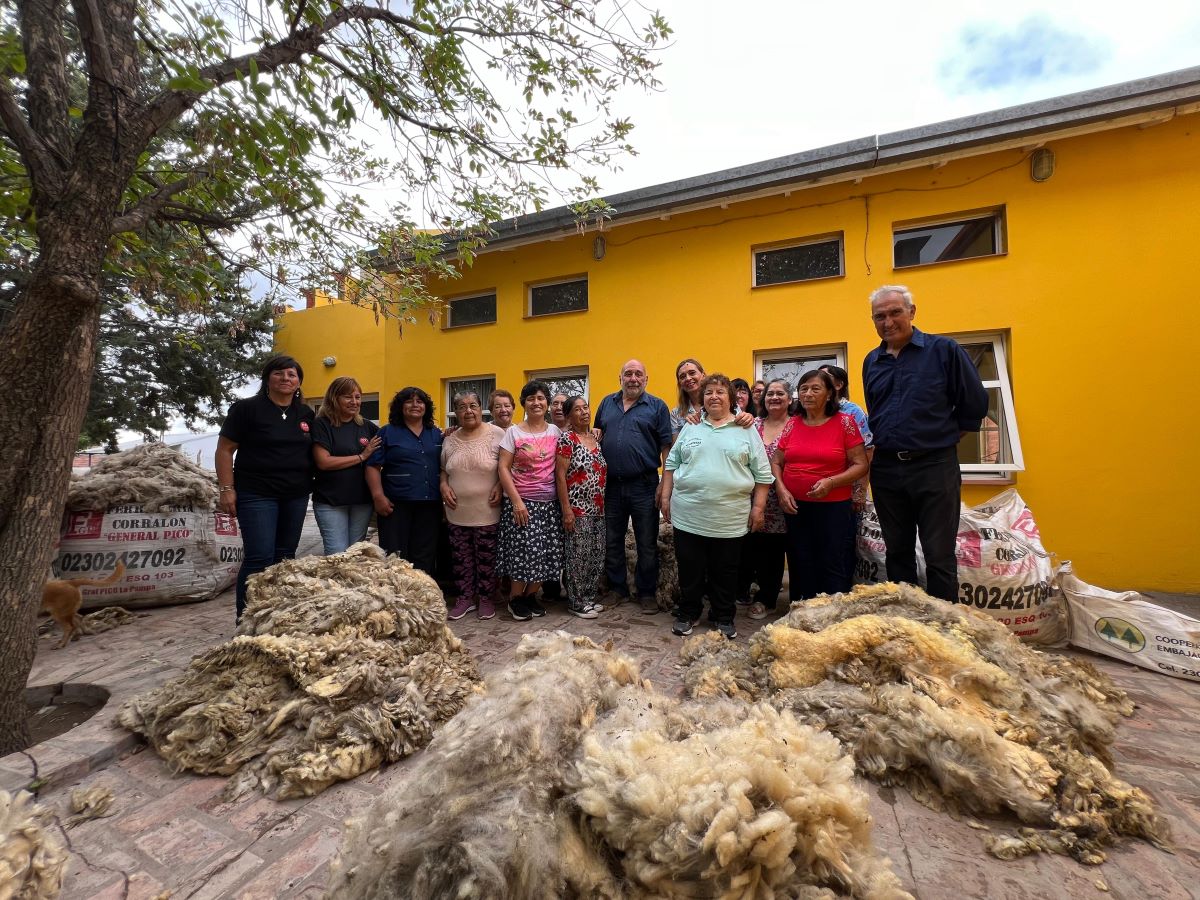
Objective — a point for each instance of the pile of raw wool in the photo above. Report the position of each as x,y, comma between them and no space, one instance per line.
33,858
946,702
570,777
153,476
340,663
667,594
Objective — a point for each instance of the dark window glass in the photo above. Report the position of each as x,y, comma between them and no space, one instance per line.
566,296
472,310
803,263
370,409
950,240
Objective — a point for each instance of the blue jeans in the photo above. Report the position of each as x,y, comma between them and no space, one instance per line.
270,532
626,499
341,526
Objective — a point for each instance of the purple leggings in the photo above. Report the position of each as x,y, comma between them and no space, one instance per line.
473,552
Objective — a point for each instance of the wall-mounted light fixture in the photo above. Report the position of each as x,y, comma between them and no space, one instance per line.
599,246
329,362
1041,164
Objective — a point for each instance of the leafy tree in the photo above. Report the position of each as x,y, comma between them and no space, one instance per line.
229,135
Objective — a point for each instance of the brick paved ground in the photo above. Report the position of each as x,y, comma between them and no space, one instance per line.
175,832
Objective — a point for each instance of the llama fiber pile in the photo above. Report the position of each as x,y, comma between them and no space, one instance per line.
947,703
153,476
667,592
570,777
340,663
33,859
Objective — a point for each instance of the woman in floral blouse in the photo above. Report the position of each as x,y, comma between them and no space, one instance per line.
581,473
768,547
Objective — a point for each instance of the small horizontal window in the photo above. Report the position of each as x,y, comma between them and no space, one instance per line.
802,262
558,297
478,310
921,245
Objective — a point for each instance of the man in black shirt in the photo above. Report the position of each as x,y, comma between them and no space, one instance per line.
923,393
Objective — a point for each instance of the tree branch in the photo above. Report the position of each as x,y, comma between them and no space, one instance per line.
95,42
151,205
41,162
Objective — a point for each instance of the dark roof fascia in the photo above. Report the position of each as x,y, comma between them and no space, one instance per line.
1029,120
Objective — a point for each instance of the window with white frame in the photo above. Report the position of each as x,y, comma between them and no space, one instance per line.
561,296
995,452
789,364
965,236
802,260
572,381
478,309
483,385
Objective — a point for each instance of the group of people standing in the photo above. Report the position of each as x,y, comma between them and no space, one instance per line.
751,475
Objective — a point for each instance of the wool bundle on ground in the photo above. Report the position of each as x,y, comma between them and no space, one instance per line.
570,777
153,476
667,593
33,858
946,702
340,663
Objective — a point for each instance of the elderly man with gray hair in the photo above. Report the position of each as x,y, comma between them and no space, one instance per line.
923,393
635,436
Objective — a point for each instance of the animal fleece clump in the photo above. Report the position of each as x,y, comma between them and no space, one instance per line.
33,858
946,702
340,663
667,592
153,476
570,777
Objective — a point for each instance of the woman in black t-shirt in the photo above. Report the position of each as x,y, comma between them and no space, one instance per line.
268,482
342,441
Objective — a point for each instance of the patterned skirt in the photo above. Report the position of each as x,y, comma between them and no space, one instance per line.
534,552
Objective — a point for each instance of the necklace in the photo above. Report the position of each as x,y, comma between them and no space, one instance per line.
283,410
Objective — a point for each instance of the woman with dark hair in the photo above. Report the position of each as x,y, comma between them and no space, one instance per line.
714,491
767,547
846,405
403,475
266,485
756,394
742,397
530,521
815,464
342,442
581,473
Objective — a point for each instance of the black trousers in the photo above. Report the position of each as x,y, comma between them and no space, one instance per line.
412,531
766,553
707,564
920,497
820,548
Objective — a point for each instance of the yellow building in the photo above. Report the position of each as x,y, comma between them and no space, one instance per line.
1055,240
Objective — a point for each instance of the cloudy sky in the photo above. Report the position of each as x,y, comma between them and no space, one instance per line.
754,79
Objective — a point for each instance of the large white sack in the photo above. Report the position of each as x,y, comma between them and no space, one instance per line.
1003,569
1128,627
178,555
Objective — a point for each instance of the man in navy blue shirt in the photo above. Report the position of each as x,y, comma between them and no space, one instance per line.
635,436
923,393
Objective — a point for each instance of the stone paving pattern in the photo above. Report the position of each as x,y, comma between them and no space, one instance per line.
175,833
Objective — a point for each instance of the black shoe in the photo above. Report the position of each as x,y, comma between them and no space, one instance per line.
727,629
518,608
534,607
682,627
649,605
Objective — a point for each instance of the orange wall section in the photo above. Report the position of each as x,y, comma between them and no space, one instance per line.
1092,293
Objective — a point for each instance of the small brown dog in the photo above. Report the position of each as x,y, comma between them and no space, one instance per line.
62,599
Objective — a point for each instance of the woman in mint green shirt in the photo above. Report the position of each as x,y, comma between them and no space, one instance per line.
714,491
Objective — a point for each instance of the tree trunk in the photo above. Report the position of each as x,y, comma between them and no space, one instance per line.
46,360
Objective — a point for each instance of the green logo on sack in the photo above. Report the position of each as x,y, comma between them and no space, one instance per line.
1122,634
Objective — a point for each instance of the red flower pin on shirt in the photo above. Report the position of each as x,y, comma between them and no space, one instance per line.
304,427
362,442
